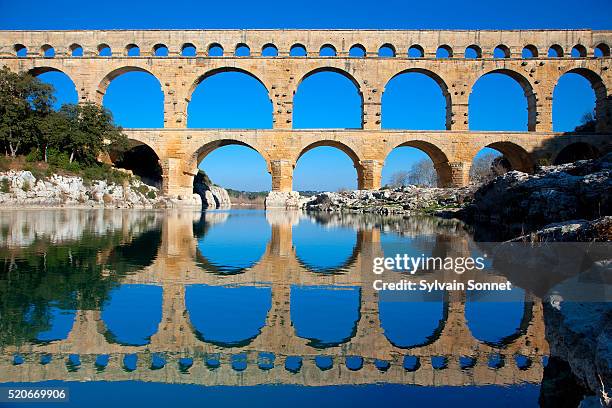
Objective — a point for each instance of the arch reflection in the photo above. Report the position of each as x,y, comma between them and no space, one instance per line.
484,311
227,316
132,314
412,319
233,245
326,316
324,250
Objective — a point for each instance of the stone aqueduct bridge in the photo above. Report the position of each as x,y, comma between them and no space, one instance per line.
179,264
180,149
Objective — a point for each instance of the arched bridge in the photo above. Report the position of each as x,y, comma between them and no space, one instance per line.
268,56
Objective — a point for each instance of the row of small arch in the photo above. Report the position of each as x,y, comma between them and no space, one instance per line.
298,50
293,364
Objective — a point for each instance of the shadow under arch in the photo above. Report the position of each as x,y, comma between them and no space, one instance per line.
599,88
142,160
438,80
110,76
437,156
576,151
527,91
429,339
516,155
340,71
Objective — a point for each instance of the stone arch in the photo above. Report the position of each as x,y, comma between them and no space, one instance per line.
74,47
242,50
580,50
269,50
187,46
357,51
576,151
207,148
349,151
528,91
601,94
142,160
518,158
531,49
161,49
437,156
342,72
39,70
108,78
555,49
297,49
215,71
604,49
20,48
102,47
441,83
328,48
418,49
132,48
447,48
477,51
504,50
47,49
387,46
212,47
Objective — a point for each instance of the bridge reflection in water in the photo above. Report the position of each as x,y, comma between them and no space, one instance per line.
189,256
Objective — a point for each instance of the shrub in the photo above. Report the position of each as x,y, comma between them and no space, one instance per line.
143,189
5,186
26,186
33,156
151,195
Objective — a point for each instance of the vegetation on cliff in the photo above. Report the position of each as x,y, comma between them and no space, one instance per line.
69,139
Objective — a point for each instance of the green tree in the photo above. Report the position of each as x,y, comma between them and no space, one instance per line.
89,131
24,100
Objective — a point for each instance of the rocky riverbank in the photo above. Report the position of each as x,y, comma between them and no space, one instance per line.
517,202
401,200
22,189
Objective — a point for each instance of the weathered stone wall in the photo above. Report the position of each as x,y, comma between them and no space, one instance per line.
281,75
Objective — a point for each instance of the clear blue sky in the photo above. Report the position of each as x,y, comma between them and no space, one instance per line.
411,101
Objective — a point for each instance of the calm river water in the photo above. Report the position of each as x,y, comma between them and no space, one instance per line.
248,308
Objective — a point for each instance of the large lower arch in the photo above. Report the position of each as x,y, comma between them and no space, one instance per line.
527,91
437,156
250,171
142,160
64,86
250,106
350,152
576,151
109,77
136,101
209,147
431,75
602,118
518,158
347,120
